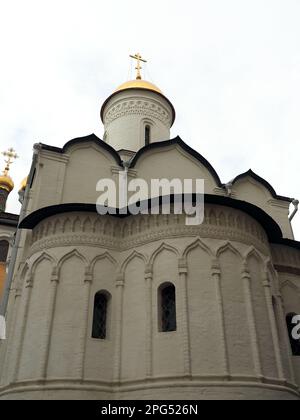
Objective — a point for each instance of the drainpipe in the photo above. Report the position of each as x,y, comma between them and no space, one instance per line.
296,204
228,188
15,247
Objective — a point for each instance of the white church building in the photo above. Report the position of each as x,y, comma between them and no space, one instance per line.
146,306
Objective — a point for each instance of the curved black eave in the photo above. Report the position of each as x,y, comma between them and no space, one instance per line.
9,219
262,181
289,242
140,89
272,229
92,138
178,141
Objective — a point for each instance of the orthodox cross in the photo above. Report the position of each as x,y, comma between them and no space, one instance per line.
11,156
138,68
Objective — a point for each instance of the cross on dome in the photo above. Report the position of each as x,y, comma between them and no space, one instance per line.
11,156
138,68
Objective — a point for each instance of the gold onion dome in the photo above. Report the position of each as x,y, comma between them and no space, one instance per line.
138,84
6,183
24,184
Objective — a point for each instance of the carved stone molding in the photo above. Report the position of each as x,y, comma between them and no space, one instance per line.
138,107
120,234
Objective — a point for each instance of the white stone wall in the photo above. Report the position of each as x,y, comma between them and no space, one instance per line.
287,263
230,337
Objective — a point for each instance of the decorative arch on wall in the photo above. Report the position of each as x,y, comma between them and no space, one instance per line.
105,255
42,257
164,246
67,225
22,274
198,244
228,247
133,255
252,252
68,256
291,285
87,225
6,237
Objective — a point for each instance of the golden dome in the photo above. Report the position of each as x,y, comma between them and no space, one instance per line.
6,183
138,84
24,184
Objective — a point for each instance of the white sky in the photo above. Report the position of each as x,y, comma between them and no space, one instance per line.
231,69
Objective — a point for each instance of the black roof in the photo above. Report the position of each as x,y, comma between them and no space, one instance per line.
9,219
270,226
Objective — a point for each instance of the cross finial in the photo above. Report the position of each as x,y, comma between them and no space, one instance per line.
11,156
138,68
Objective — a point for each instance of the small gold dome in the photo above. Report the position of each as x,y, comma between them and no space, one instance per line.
138,84
23,184
6,183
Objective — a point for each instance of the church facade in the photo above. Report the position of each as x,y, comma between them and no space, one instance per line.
145,306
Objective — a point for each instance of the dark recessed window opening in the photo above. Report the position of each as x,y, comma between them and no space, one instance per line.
167,307
100,315
295,344
147,135
4,246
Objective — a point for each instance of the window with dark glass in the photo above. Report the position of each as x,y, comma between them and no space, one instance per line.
147,134
295,344
4,245
167,307
100,315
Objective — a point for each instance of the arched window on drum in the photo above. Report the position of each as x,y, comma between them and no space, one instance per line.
4,246
167,308
102,302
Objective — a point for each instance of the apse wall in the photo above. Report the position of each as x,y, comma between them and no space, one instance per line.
230,339
287,263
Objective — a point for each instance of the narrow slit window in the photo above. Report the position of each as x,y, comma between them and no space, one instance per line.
147,135
100,315
295,343
4,246
167,308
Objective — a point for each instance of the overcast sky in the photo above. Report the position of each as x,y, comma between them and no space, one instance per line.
230,67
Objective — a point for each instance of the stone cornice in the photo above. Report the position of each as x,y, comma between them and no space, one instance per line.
121,234
139,106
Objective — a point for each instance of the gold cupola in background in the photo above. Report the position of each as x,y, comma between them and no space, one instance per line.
22,189
6,182
23,184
